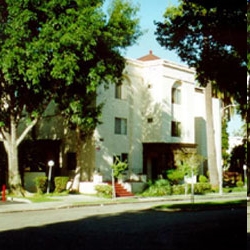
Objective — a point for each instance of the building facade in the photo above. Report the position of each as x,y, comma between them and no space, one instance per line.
155,111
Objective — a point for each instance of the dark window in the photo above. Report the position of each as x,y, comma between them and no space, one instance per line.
150,120
124,157
118,91
176,129
121,126
71,161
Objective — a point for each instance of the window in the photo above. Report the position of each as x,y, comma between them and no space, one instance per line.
123,158
150,120
120,126
71,160
176,95
118,91
176,129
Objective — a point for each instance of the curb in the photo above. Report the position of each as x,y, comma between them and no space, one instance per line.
27,204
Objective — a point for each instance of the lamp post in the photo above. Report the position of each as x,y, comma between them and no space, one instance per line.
51,163
245,175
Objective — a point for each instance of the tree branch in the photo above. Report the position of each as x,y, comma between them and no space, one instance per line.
4,136
26,131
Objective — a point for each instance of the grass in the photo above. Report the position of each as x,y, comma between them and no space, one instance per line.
201,206
36,198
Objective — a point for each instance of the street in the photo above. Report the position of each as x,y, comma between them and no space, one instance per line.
123,226
248,225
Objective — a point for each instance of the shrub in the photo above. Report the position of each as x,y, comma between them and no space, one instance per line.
41,184
203,179
159,188
178,189
239,184
119,168
202,188
175,175
104,190
61,183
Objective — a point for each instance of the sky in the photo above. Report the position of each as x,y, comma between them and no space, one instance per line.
150,11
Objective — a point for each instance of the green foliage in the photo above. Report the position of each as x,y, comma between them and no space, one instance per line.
239,184
118,168
211,37
186,164
161,187
104,190
178,189
60,183
199,188
202,188
203,179
175,175
60,51
41,184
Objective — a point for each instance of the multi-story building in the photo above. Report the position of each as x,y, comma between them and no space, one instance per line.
156,110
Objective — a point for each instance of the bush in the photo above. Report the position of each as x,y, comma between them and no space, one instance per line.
159,188
175,175
202,188
41,184
239,184
118,168
61,183
178,189
104,190
203,179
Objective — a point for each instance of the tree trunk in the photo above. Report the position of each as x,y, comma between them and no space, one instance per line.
77,177
211,149
11,147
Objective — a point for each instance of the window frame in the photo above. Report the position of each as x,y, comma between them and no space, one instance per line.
176,95
176,129
121,125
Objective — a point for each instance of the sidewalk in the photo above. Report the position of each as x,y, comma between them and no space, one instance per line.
80,200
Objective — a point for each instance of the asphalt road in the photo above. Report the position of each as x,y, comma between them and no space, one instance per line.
123,227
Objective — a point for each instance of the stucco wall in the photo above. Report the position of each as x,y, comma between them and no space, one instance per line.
149,111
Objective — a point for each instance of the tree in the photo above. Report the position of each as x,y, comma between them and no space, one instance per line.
61,51
210,36
222,26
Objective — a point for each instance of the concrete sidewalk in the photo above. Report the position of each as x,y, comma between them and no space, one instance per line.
79,200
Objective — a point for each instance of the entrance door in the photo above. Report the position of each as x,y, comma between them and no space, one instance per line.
152,168
155,164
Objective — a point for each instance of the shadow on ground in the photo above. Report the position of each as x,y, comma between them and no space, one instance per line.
148,229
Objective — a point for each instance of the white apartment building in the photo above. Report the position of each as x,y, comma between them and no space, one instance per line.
156,110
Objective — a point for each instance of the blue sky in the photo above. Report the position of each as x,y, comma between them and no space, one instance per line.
149,12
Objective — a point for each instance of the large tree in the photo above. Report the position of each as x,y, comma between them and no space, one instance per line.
57,50
210,36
